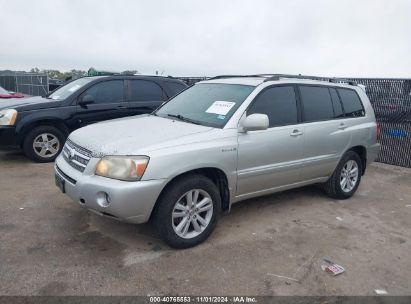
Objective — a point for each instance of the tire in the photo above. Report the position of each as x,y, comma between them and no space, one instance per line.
334,187
177,192
43,144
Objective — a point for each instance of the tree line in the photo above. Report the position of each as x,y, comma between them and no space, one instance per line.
56,74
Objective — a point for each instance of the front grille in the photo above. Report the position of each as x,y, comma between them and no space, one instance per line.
76,156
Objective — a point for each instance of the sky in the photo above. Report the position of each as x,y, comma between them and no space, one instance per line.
351,38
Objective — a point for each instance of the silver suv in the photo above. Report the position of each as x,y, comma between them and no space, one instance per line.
219,142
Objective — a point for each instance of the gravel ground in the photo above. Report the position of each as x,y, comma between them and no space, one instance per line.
273,245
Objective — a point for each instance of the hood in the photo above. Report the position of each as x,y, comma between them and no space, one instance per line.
28,103
131,135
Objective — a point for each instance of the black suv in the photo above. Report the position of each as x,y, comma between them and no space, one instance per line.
40,125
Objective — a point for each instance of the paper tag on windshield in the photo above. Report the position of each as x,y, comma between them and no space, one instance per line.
220,107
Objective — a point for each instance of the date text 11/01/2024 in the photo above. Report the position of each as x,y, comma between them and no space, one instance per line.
205,299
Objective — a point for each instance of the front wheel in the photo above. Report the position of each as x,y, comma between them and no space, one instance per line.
43,144
187,211
346,177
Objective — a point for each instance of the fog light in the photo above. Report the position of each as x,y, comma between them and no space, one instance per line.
103,199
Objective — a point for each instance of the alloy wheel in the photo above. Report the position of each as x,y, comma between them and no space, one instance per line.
349,176
192,213
46,145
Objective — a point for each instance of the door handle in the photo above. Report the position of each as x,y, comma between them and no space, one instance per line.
342,126
120,107
296,132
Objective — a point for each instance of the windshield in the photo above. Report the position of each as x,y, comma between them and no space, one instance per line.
70,88
210,104
3,91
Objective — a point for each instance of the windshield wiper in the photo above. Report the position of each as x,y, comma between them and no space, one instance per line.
182,118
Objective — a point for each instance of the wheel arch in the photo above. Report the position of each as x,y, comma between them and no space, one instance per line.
26,128
216,175
362,153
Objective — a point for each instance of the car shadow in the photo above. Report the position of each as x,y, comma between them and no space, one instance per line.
13,154
144,237
279,198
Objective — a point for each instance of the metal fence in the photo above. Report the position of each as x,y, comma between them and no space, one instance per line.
391,100
35,84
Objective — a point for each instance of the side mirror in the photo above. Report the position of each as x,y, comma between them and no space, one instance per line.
255,122
86,100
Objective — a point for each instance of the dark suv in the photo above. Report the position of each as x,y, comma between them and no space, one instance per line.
40,125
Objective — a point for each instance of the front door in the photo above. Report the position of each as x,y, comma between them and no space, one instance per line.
271,158
108,103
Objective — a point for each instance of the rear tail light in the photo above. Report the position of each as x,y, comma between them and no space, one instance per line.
378,132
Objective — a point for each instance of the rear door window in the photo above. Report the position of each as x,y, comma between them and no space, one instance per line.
146,90
351,103
278,103
317,103
174,88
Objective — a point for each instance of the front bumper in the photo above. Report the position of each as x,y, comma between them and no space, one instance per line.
128,201
8,136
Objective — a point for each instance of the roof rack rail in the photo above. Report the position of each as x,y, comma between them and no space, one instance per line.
271,77
140,75
329,79
299,76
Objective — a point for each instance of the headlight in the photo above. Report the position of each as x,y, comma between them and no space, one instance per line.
8,117
127,168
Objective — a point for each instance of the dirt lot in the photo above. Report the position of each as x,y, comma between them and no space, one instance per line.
53,247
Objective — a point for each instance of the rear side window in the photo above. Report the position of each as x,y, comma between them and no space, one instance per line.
338,110
278,103
107,91
351,103
145,90
317,103
175,88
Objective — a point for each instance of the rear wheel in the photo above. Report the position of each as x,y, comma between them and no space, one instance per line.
43,143
187,211
346,177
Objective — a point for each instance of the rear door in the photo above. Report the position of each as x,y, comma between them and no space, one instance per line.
271,158
326,132
144,96
108,103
